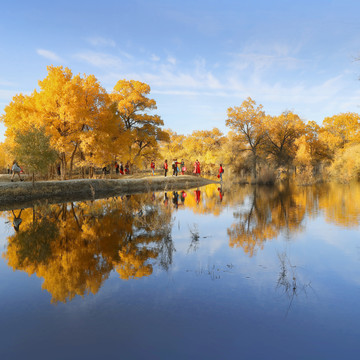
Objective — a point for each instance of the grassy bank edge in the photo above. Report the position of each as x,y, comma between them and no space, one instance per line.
23,194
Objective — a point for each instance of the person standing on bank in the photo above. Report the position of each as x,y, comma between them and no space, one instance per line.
197,168
182,167
16,170
174,167
221,171
152,165
166,167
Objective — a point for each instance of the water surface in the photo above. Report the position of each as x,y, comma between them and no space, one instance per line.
211,273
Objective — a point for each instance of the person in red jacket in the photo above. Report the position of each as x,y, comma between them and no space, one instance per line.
166,167
221,171
197,168
152,165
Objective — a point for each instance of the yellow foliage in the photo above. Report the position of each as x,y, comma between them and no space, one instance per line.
282,132
346,164
75,247
142,129
341,130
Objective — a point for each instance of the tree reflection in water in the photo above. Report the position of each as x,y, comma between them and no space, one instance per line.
74,247
271,210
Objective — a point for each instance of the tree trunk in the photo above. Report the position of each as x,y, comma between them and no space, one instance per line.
254,165
72,161
33,179
63,166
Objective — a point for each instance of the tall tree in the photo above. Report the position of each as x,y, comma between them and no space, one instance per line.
132,108
247,121
340,130
282,131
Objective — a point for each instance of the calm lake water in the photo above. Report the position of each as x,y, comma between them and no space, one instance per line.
232,273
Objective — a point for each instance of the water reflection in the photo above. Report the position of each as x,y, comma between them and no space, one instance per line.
74,247
268,212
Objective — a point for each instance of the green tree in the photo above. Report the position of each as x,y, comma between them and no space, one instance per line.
33,149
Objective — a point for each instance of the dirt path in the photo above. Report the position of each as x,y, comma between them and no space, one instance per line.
15,195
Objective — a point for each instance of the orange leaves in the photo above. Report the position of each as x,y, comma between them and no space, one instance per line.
281,134
74,247
340,130
247,120
88,126
142,129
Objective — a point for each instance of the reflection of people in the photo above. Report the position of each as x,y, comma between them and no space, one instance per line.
16,169
17,220
166,167
117,167
175,199
221,194
127,168
182,197
166,199
197,196
121,168
152,165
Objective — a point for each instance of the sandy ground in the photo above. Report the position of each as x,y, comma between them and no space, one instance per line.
16,195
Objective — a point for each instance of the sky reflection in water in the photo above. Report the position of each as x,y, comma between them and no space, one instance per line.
237,272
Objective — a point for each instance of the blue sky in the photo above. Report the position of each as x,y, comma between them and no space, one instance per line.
199,57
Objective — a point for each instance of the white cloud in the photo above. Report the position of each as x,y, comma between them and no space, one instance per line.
154,58
269,78
260,56
99,59
49,55
100,41
7,95
171,60
6,83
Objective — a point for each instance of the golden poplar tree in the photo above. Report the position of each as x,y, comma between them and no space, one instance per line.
247,121
142,129
282,132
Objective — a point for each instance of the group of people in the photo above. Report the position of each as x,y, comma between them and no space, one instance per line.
178,167
119,168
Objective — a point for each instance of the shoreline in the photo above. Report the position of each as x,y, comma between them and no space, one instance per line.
16,195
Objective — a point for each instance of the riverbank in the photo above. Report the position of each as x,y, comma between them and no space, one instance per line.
16,195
